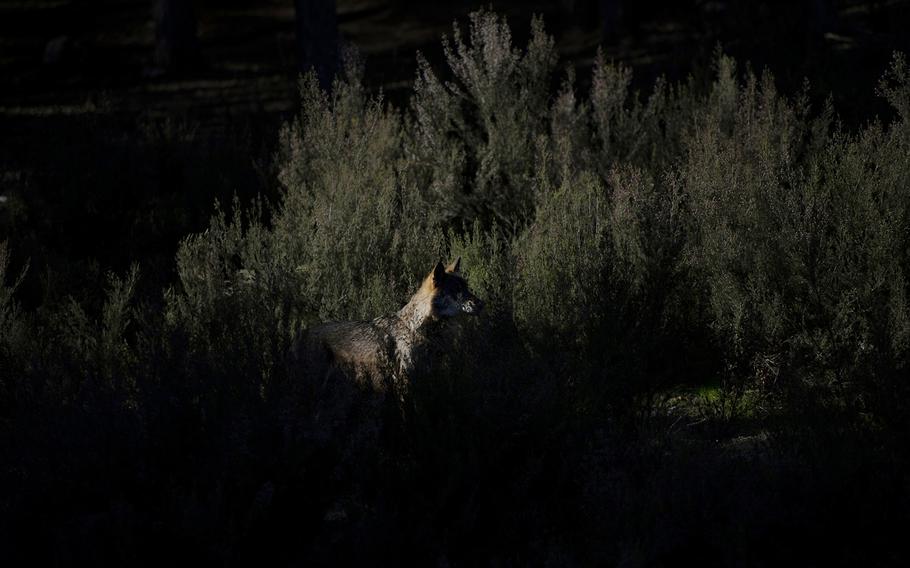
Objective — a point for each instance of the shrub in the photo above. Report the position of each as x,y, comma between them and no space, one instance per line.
472,139
799,237
11,322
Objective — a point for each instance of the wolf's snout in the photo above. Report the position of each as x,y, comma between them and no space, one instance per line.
473,306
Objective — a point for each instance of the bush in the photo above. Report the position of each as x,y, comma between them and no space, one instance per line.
472,140
798,235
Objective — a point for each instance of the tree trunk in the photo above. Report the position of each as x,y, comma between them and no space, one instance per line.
317,39
176,46
820,16
611,19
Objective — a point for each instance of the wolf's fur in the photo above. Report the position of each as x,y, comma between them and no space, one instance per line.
385,353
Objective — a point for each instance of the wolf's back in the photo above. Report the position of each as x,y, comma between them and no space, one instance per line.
362,348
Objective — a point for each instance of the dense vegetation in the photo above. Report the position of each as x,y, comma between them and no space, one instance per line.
695,345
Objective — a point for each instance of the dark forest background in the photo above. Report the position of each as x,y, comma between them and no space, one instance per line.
690,221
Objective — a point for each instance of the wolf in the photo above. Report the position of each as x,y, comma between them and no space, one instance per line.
355,376
385,353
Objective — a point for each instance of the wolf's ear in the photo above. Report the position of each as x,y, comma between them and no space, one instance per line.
439,274
455,266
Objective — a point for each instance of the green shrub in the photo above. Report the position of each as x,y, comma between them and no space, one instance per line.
472,138
649,134
350,225
564,261
799,236
11,324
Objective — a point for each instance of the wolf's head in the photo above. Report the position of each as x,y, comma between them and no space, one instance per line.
449,292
